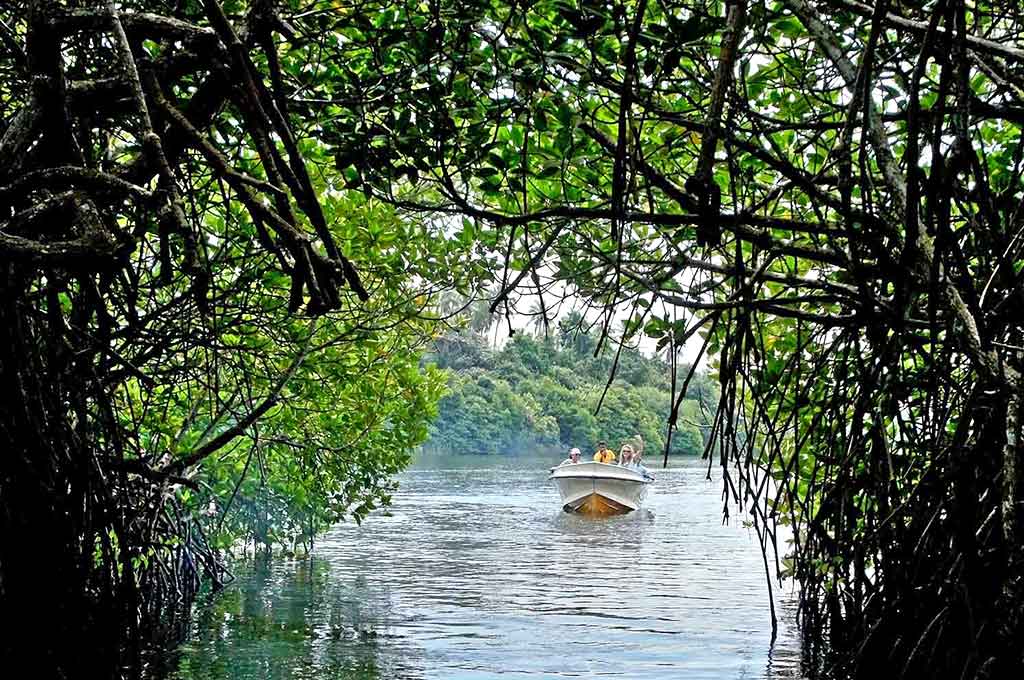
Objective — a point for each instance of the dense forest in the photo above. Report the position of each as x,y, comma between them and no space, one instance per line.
541,393
225,226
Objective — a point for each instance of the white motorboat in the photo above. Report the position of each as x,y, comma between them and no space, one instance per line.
593,488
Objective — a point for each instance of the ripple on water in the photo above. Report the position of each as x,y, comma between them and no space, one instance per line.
475,573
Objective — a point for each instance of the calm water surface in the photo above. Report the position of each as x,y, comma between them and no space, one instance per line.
476,573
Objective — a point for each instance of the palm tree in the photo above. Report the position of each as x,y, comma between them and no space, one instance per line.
540,317
448,302
480,317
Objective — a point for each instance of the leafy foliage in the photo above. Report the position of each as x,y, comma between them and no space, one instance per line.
211,338
827,193
536,394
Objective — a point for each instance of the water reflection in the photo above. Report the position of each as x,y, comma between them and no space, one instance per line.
475,574
291,620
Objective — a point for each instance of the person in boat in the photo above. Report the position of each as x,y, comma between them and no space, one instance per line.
639,466
604,454
626,456
638,445
574,457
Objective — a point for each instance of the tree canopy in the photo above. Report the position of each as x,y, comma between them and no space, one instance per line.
195,196
829,194
192,355
540,395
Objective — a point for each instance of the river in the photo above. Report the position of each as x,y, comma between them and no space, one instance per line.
475,572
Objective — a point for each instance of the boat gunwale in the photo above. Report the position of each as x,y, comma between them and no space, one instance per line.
624,474
642,480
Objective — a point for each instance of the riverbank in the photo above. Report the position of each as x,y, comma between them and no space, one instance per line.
543,394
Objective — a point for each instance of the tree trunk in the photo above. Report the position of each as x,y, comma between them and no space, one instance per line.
49,522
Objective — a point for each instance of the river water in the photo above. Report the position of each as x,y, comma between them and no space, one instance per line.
475,572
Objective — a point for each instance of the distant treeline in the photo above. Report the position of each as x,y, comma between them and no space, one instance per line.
541,392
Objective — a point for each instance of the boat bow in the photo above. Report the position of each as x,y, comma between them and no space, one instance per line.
599,488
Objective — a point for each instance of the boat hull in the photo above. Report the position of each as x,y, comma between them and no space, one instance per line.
596,505
599,489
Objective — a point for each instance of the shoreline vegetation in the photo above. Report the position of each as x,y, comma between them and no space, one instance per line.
227,226
540,392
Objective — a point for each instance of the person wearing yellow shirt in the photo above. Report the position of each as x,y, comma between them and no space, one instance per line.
604,454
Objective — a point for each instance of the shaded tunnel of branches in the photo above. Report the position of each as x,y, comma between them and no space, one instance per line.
133,137
824,196
830,195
